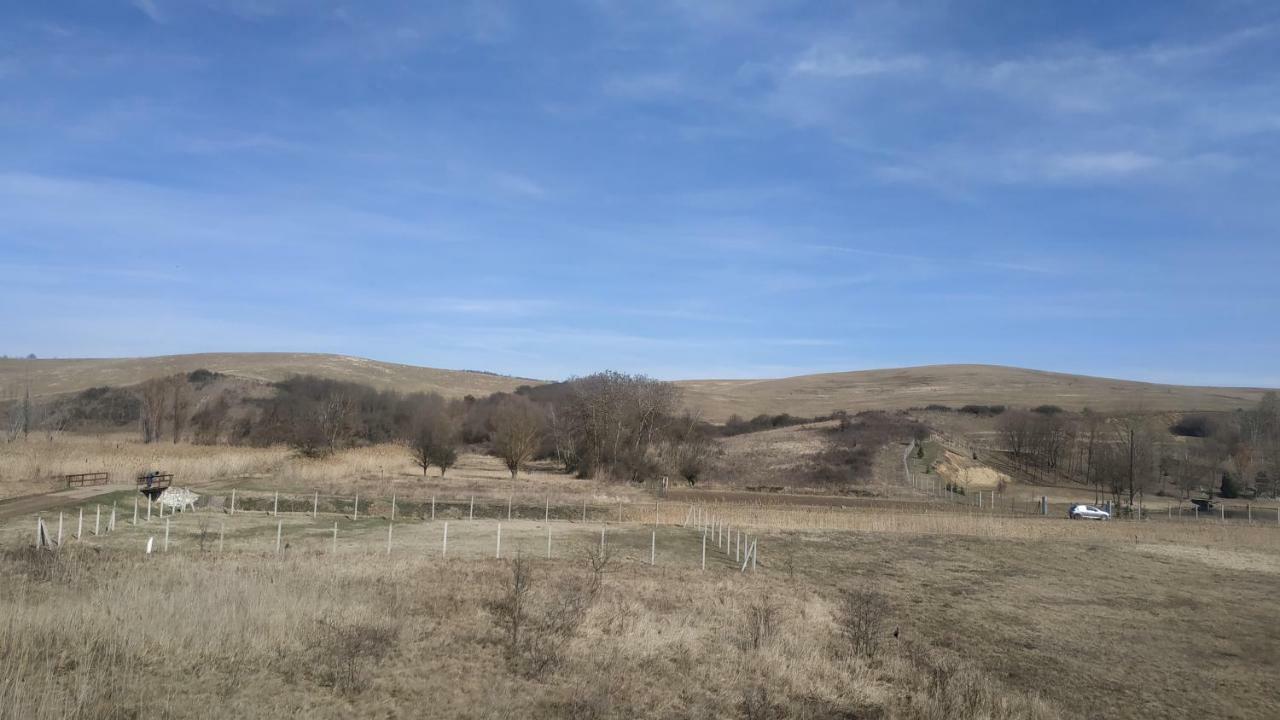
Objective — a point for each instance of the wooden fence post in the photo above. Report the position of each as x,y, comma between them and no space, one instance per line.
433,507
97,519
653,547
80,524
471,514
315,505
233,506
602,540
444,545
166,536
279,533
111,527
499,552
390,525
355,511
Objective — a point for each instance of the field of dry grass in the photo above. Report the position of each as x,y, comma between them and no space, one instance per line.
36,466
51,377
975,617
974,613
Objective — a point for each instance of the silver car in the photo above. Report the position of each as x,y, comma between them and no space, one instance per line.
1088,512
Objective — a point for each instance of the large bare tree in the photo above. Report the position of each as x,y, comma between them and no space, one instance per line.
517,432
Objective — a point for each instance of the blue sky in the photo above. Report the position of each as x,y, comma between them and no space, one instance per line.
687,189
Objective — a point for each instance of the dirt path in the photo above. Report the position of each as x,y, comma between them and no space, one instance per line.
31,504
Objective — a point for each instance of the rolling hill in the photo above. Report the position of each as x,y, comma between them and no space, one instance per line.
57,376
805,395
954,385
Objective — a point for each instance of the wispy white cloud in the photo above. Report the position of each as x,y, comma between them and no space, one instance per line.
150,9
515,184
827,62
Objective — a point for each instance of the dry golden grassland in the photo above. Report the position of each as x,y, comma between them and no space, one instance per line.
37,466
995,617
56,376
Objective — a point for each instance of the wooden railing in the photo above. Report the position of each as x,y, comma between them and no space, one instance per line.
82,479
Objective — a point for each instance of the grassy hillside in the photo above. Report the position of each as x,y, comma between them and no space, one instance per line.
806,395
954,385
51,377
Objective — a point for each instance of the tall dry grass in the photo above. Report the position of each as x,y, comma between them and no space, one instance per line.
37,466
104,635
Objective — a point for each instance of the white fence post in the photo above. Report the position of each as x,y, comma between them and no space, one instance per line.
111,527
233,506
166,536
433,507
444,545
546,513
508,508
498,554
653,547
315,505
279,534
80,524
59,531
471,514
393,507
548,541
97,520
355,512
389,526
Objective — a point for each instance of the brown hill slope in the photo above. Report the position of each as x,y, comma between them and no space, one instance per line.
954,385
51,377
806,395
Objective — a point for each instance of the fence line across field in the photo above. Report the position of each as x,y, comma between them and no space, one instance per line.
731,527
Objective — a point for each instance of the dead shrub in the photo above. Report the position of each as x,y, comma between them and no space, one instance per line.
763,617
953,690
860,620
343,653
537,627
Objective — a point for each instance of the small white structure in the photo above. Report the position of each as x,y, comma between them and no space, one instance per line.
177,499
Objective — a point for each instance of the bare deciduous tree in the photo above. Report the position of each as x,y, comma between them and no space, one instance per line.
152,395
517,432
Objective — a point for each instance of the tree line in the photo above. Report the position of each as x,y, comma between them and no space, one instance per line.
1129,455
